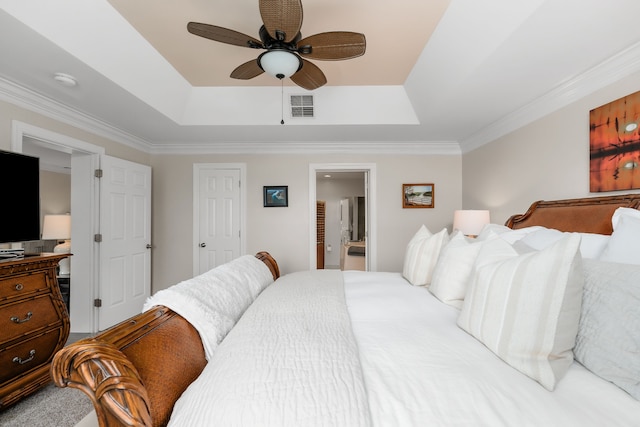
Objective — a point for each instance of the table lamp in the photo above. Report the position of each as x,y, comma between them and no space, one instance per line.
58,227
470,222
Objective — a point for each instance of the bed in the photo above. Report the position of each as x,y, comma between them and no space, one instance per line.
386,349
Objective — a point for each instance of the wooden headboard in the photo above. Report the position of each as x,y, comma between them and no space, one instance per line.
585,215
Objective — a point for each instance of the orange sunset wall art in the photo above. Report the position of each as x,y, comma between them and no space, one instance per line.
614,145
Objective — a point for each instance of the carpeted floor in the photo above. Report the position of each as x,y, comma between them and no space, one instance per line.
49,406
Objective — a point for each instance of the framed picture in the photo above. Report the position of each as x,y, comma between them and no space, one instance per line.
614,145
418,195
276,196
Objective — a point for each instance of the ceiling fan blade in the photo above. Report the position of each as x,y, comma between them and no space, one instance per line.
223,35
309,76
248,70
282,18
334,45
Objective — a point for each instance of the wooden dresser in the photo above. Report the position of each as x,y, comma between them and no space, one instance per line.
34,324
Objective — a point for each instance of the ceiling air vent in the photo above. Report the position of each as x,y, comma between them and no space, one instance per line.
301,105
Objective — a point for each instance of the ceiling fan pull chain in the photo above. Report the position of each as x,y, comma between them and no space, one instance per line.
281,101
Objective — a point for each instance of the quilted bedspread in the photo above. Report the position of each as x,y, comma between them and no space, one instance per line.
214,301
291,360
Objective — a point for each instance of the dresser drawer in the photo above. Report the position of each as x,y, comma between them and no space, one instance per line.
24,356
27,316
22,285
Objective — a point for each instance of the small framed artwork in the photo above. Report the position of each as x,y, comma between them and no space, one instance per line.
276,196
418,195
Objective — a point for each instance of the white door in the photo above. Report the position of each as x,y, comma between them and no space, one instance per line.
217,216
125,250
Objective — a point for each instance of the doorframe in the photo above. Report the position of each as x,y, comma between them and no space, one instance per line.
197,168
84,262
371,191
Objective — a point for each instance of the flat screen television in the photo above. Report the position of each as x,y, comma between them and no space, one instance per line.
19,197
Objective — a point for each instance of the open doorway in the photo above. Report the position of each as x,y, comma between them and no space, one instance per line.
79,159
350,218
344,197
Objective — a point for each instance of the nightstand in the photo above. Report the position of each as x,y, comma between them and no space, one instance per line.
34,324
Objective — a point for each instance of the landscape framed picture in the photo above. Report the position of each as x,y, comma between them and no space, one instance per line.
276,196
418,195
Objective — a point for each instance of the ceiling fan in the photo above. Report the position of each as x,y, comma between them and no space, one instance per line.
286,50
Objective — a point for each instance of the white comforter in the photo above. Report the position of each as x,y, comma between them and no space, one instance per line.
420,369
291,360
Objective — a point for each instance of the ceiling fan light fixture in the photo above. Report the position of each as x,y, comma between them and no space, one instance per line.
279,63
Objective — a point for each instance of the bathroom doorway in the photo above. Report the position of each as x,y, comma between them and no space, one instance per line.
349,236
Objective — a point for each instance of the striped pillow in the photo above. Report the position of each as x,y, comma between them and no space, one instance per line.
526,308
422,254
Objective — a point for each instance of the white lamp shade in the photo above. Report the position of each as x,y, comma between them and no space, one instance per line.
470,222
279,63
56,227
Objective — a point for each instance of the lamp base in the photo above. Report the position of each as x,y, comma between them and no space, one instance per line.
65,264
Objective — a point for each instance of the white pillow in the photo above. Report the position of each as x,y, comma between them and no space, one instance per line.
526,308
542,238
624,244
422,254
506,233
591,245
493,228
620,212
452,272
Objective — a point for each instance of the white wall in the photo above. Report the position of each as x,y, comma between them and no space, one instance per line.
546,160
284,232
55,193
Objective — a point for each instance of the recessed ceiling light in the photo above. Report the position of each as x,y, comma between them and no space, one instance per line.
327,176
631,127
65,79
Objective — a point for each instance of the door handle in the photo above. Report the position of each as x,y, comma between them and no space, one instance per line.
203,245
149,246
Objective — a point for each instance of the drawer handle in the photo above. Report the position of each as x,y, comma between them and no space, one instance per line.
19,286
15,319
19,360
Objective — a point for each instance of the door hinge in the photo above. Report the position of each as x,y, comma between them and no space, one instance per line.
98,173
97,238
97,302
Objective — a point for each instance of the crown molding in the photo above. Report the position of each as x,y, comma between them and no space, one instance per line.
615,68
33,101
448,148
